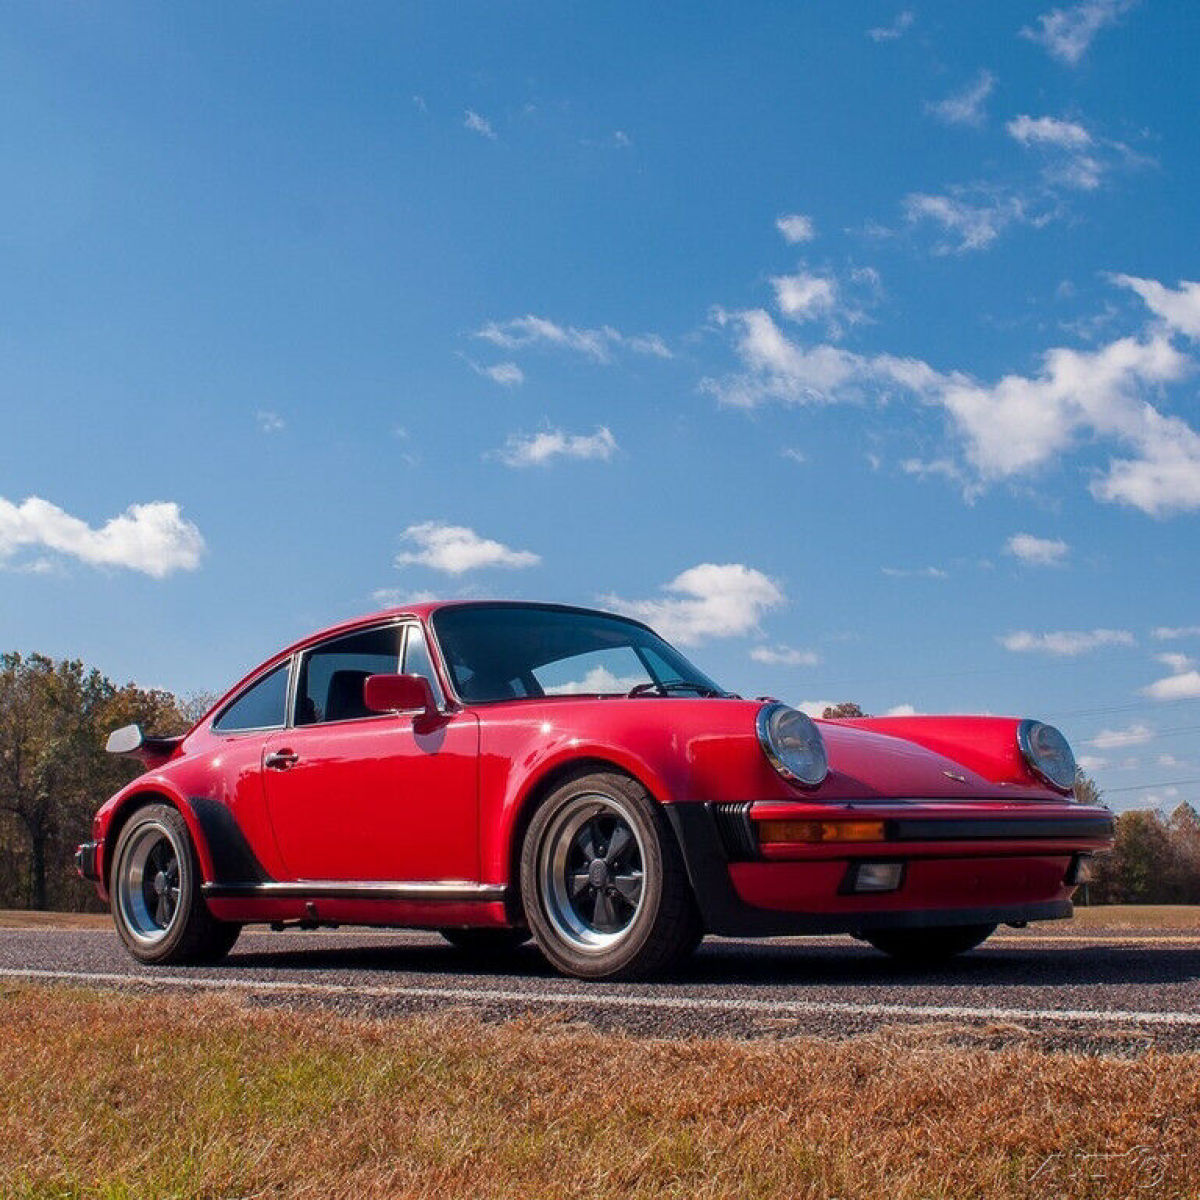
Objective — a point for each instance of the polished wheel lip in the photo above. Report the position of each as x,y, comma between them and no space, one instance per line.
151,865
554,871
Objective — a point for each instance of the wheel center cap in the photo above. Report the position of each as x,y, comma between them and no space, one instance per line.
598,873
160,883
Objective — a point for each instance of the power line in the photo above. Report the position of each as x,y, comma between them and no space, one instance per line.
1142,787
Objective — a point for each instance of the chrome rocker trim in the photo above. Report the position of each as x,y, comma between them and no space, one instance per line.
444,890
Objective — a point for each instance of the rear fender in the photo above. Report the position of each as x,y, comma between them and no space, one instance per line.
150,789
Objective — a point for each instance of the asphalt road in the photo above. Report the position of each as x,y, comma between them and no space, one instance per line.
1118,993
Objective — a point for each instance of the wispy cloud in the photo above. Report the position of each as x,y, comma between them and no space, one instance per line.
506,374
151,538
596,344
796,228
1115,739
269,422
1066,33
915,572
975,217
966,107
1067,643
1178,310
898,27
1048,131
805,296
1036,551
539,449
456,549
1183,683
1165,633
477,124
784,656
707,601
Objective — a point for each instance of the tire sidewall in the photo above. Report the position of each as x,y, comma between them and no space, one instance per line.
638,809
167,818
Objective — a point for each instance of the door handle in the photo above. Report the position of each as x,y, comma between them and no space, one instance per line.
281,760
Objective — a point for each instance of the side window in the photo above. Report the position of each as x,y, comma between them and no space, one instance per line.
261,706
330,685
417,660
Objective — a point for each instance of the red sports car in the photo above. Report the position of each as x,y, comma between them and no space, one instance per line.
501,771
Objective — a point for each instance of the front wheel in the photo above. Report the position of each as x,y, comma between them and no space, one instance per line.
156,901
927,947
603,883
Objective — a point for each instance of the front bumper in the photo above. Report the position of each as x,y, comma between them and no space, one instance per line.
87,861
961,865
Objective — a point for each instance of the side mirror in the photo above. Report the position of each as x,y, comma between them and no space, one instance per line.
398,693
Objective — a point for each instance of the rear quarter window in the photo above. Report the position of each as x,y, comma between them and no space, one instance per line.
260,706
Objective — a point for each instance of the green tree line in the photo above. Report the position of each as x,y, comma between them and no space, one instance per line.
54,773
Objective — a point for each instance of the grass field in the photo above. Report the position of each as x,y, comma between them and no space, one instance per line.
196,1096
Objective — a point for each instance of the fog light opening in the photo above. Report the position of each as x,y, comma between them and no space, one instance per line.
874,877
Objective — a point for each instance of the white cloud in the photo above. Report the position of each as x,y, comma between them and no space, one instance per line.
706,601
1038,552
1164,633
270,422
794,455
1066,33
1114,739
1182,684
897,29
803,296
1015,426
1178,310
477,124
796,228
975,223
902,710
597,681
784,656
915,572
1048,131
401,597
966,107
506,374
455,549
538,449
596,344
816,708
1090,762
151,538
1066,642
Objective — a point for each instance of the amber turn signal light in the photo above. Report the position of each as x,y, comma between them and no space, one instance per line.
821,831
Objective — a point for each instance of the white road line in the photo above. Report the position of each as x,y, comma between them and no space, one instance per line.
598,999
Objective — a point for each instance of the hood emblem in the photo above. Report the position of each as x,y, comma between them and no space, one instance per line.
956,778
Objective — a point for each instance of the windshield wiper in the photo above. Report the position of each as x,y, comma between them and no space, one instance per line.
676,685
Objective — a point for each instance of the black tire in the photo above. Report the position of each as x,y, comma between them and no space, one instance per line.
927,947
632,917
486,943
163,919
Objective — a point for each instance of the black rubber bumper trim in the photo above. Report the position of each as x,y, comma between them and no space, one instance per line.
87,860
724,912
1018,829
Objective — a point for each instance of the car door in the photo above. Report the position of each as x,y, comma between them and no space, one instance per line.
359,797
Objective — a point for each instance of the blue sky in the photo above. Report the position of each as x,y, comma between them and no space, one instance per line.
852,345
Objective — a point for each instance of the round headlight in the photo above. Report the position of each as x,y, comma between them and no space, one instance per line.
1048,753
793,744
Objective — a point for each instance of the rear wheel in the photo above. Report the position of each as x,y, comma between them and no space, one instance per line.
603,883
486,943
926,947
156,901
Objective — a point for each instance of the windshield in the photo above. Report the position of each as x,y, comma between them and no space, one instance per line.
503,652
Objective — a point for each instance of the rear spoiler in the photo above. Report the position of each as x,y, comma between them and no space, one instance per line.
153,751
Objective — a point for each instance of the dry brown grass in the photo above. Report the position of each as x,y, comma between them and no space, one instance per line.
1134,916
195,1096
21,918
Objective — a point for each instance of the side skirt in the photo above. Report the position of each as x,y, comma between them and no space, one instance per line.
452,891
